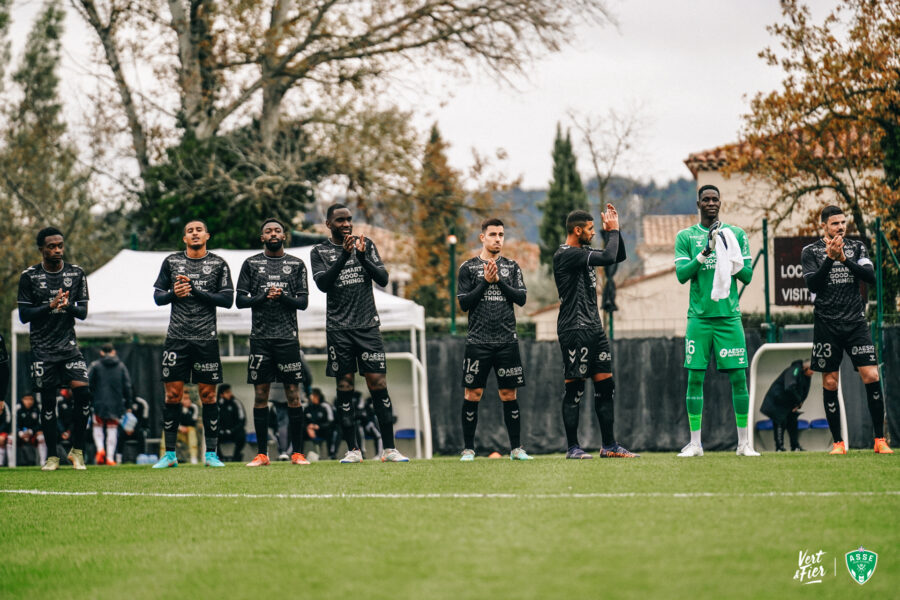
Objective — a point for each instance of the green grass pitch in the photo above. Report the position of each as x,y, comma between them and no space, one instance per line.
655,527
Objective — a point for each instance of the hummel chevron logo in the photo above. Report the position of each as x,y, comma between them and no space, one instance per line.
515,414
213,424
470,416
831,406
571,355
386,402
168,424
578,397
48,416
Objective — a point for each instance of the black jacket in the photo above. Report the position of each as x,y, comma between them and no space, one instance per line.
111,386
788,392
231,416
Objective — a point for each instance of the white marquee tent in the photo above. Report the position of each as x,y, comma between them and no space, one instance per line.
121,304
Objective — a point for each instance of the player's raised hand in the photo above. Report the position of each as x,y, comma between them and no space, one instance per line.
834,248
361,243
274,292
490,272
349,243
610,218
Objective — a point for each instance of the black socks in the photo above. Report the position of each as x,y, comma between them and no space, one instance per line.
82,415
211,426
170,425
385,416
570,407
346,416
833,413
469,423
295,427
875,399
513,422
48,419
261,424
604,393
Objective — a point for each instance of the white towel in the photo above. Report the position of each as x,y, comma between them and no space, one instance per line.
728,262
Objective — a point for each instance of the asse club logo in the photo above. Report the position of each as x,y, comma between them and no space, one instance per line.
861,564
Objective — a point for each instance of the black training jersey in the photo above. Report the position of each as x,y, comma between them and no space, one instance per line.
191,318
576,283
52,334
841,299
492,320
351,301
271,319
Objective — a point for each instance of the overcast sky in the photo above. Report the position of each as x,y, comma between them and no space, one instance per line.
691,67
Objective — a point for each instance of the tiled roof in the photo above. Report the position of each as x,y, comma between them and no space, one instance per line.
828,147
660,230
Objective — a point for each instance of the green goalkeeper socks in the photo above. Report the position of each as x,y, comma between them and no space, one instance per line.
740,398
695,398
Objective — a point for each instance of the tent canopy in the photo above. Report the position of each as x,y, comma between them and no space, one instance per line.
122,300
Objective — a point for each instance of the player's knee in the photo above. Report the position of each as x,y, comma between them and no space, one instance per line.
830,381
376,381
574,389
868,374
473,395
507,395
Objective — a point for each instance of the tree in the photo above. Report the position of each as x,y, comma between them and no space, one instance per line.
834,125
565,195
42,182
439,206
222,64
835,122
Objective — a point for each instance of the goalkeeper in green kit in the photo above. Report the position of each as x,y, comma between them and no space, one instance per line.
714,257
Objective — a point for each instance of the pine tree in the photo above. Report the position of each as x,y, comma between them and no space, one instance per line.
438,212
565,195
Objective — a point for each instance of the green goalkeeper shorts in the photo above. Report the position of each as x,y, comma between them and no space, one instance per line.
725,335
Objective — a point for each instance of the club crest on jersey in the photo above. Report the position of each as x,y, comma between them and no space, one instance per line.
254,375
207,269
287,269
165,371
821,363
861,564
504,272
67,282
469,378
582,368
334,366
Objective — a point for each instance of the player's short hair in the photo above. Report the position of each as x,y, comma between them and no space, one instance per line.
317,392
189,221
272,220
330,212
577,218
492,222
46,232
829,211
223,387
107,348
708,186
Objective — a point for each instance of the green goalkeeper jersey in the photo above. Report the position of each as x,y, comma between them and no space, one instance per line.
688,244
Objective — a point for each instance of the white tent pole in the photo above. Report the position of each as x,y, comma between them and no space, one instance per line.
11,456
230,344
426,410
417,420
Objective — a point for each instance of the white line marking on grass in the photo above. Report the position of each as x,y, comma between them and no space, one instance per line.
463,496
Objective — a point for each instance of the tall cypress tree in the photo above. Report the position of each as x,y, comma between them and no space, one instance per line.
566,194
438,212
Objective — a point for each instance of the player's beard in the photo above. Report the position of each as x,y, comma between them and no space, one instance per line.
274,245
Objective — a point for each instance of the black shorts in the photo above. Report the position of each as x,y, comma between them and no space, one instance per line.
191,361
504,360
585,352
352,348
274,360
58,373
831,340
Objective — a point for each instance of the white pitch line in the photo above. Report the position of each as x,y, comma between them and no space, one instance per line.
463,496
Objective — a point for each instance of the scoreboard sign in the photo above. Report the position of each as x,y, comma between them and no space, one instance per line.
790,287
